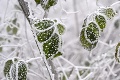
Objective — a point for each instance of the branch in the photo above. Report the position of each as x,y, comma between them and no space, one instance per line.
25,8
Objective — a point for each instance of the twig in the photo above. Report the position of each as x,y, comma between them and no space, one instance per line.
62,69
76,17
6,9
37,74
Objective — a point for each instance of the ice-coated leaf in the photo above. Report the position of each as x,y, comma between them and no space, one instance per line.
46,4
116,52
43,24
58,54
87,45
100,20
37,1
109,12
7,67
22,71
43,36
15,70
50,47
61,29
92,32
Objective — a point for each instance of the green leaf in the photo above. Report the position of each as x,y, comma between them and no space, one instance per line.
12,30
100,20
22,71
8,28
43,36
44,24
37,1
109,12
7,67
58,54
50,47
14,21
46,4
92,32
87,45
61,29
116,52
15,30
1,48
15,69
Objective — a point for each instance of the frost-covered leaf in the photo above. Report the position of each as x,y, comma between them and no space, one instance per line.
58,54
45,35
117,52
61,29
100,20
15,70
109,12
11,30
22,71
18,71
7,67
92,32
87,45
46,4
43,24
50,47
37,1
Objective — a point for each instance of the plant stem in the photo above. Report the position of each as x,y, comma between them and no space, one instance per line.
25,8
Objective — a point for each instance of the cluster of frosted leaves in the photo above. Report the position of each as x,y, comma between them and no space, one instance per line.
91,31
89,36
49,36
15,69
92,28
108,12
101,21
46,4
